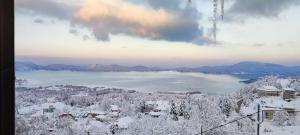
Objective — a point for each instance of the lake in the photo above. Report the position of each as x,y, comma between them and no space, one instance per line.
140,81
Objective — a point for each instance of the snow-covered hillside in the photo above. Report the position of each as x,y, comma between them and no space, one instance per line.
81,110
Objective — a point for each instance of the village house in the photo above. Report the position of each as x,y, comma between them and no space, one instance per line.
289,93
272,105
268,113
50,109
66,115
93,114
102,118
266,91
156,108
115,111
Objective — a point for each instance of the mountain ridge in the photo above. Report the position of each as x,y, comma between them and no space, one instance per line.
244,68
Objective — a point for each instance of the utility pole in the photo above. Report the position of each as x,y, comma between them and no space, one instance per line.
201,132
258,119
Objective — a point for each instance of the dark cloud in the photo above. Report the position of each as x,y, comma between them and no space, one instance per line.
166,4
73,31
38,20
85,37
258,45
152,19
45,7
242,9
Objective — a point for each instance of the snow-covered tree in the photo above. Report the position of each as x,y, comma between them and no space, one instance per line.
226,105
280,118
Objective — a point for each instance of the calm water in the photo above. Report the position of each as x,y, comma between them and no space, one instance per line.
141,81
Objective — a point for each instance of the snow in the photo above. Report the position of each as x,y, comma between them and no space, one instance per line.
124,122
268,88
155,113
283,82
289,89
276,102
99,112
270,103
160,105
114,108
39,108
280,130
134,117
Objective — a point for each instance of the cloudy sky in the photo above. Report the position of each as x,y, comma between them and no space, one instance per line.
165,33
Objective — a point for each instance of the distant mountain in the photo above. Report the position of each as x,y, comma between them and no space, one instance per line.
57,67
255,69
26,66
246,69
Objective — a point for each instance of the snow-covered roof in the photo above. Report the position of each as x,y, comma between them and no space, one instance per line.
155,113
101,117
115,114
114,107
288,89
161,105
98,112
277,103
124,122
283,82
268,88
272,109
270,103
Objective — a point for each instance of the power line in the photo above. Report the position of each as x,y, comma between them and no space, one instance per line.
228,123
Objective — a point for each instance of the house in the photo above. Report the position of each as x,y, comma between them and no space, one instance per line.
289,93
115,108
50,109
155,114
124,123
115,111
102,118
272,105
66,115
268,113
93,114
267,91
156,106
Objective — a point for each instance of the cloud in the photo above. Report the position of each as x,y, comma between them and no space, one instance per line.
150,19
85,37
242,9
258,45
45,7
73,31
38,20
157,22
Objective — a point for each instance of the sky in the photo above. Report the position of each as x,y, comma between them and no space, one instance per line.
164,33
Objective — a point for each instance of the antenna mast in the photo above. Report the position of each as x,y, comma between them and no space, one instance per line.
215,16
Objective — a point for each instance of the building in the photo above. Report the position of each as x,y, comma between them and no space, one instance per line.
272,105
115,111
66,115
266,91
115,108
268,113
289,93
93,114
50,109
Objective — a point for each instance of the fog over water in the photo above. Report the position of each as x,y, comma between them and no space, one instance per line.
140,81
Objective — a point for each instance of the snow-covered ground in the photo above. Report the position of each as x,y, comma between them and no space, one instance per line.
81,110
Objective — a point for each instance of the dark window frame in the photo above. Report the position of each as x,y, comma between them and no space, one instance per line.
7,69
